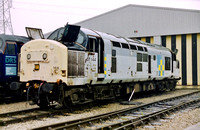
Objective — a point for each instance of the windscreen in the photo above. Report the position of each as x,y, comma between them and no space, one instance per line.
1,45
70,33
79,44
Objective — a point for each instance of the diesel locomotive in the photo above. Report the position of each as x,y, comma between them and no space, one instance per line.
75,65
10,46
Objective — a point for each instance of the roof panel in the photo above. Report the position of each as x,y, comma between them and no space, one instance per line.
139,21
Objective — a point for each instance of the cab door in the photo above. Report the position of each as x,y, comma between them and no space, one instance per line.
96,45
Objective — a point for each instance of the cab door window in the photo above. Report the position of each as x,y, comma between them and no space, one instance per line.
92,45
10,48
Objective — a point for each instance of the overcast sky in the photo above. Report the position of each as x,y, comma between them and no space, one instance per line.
51,14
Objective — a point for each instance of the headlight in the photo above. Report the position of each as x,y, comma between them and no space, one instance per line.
37,67
44,56
28,56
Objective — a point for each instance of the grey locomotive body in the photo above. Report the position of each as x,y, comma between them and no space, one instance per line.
77,65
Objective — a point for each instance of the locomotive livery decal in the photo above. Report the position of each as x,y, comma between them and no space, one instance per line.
160,65
11,65
105,66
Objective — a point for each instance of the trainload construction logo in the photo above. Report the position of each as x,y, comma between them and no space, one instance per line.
160,66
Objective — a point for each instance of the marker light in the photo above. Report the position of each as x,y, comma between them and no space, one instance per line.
28,56
44,56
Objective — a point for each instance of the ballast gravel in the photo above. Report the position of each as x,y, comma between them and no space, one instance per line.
181,121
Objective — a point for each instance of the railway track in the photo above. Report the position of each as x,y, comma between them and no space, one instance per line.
29,114
130,117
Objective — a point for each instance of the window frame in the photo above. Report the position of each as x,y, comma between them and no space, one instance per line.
140,48
125,46
167,63
133,47
145,56
139,57
11,43
114,61
139,67
116,44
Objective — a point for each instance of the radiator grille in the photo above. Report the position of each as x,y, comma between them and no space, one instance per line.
76,63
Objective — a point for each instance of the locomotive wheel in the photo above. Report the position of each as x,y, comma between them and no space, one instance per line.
67,103
173,85
43,101
160,86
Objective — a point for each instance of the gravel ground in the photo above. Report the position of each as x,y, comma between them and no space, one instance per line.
15,107
180,121
190,116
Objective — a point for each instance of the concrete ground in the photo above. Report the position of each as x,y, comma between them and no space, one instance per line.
194,127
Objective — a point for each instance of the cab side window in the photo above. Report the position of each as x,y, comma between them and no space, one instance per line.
92,45
114,62
10,49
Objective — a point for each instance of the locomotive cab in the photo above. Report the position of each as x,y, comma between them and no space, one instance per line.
68,57
75,39
10,46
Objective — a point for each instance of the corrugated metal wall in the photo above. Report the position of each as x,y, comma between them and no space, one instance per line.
144,21
188,46
147,39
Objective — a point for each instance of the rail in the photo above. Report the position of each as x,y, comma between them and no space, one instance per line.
28,114
96,121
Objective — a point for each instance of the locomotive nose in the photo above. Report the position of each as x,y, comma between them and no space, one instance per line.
44,60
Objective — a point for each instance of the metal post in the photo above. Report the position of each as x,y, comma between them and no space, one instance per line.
131,95
5,17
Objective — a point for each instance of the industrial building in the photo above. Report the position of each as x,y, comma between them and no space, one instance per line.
169,27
